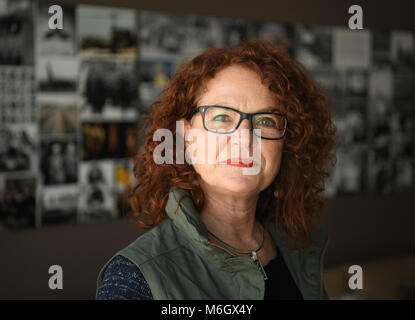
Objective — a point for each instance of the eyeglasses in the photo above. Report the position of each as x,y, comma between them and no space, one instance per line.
226,120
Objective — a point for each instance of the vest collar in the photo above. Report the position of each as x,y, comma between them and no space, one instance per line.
186,217
180,208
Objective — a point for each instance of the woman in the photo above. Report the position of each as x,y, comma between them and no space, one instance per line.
216,231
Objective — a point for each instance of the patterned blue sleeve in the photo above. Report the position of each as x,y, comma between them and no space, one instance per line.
123,280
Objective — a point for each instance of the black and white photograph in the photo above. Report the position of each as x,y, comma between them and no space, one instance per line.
105,31
351,49
57,73
331,80
59,204
108,89
17,91
313,46
109,140
349,175
162,35
356,83
16,30
380,100
401,137
402,129
174,36
380,169
17,203
59,163
279,34
391,131
97,191
351,122
404,173
403,82
236,30
381,48
55,41
18,148
202,32
402,47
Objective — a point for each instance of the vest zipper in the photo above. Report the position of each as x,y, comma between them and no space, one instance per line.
253,258
258,264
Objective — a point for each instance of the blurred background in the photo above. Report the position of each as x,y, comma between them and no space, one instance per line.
70,108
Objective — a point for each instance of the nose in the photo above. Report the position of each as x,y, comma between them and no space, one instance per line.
245,124
242,137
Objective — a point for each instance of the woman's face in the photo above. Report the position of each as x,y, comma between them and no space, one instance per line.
239,88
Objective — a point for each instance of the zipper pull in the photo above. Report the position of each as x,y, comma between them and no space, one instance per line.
258,264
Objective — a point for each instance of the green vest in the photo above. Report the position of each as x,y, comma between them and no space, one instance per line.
178,261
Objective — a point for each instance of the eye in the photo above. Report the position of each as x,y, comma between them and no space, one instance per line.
266,122
221,117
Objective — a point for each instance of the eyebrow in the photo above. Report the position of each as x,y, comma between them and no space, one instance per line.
266,109
270,109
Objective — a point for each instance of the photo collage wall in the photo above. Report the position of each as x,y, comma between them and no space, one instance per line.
71,101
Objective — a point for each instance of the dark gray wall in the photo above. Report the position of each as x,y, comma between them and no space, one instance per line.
361,227
81,250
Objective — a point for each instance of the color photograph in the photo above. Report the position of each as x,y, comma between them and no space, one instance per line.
108,140
106,31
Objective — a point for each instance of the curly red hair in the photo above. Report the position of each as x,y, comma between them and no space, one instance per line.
308,153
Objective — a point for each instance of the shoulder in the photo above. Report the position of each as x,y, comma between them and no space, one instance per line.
123,280
127,272
318,237
160,240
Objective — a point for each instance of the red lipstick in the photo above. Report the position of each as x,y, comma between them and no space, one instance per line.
240,163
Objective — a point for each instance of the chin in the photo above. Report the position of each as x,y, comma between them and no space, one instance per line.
238,184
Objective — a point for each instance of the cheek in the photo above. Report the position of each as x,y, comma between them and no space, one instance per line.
272,154
211,151
216,147
203,170
203,152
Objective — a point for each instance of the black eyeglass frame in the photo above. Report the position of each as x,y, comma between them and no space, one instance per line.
243,116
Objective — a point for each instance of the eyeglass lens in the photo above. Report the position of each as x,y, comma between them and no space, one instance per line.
224,120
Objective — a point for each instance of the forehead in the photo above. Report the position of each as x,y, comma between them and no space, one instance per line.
239,87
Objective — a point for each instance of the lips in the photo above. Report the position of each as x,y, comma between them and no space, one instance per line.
239,163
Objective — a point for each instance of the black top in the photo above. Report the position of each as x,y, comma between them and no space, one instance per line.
280,284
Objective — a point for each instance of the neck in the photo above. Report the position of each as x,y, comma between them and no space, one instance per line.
231,218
